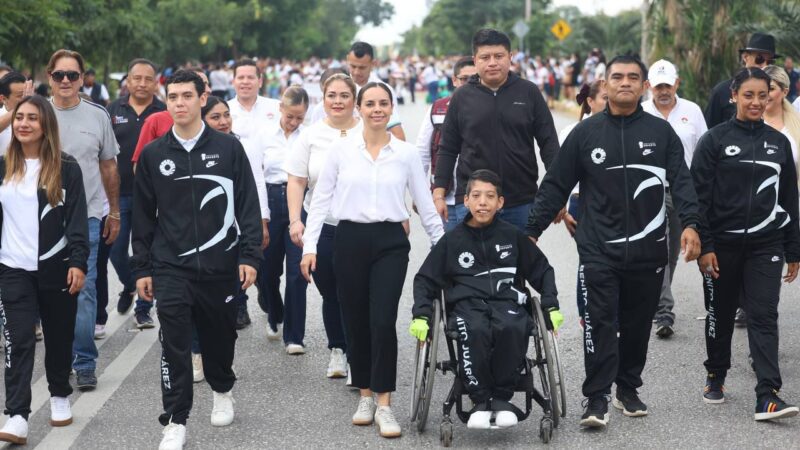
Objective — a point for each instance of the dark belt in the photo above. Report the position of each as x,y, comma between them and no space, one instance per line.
276,185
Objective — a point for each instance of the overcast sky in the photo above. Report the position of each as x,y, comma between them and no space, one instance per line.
411,12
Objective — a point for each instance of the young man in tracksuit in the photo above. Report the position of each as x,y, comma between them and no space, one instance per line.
491,123
622,158
482,266
196,240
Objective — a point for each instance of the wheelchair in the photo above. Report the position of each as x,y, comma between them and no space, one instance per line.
541,367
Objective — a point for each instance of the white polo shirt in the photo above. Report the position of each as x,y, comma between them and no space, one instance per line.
687,120
246,124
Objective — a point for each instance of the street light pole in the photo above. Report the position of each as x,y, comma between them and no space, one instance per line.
527,10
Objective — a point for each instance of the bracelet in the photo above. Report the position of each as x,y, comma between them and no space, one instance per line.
114,216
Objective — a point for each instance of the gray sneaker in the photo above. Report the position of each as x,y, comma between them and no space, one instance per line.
387,424
365,412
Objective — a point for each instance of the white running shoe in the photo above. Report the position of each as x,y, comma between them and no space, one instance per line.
337,367
15,430
37,331
480,420
505,419
295,349
99,331
273,335
222,413
60,412
174,437
387,424
197,367
366,411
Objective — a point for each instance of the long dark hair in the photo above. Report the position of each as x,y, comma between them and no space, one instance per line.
212,101
588,91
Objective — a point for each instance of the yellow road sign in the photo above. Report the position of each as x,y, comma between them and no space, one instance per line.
561,29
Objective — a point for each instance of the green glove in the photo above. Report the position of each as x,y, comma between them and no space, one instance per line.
419,328
556,318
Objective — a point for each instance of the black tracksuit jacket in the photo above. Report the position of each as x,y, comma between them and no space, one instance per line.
63,230
492,130
622,164
491,263
746,184
195,214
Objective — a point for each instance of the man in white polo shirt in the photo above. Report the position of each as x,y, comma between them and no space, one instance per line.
689,124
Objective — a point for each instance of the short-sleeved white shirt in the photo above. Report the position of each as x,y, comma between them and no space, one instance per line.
247,124
277,146
688,122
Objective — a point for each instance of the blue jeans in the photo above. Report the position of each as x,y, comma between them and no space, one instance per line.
120,258
515,215
455,216
292,307
84,352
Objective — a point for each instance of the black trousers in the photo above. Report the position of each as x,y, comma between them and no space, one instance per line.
492,342
22,302
754,275
370,263
616,301
211,307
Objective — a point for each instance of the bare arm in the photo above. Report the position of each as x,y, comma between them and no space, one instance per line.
295,191
398,132
110,177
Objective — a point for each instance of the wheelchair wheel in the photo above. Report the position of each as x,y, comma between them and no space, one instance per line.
549,370
426,370
562,385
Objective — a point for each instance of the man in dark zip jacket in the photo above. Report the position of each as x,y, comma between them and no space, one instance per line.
491,124
196,239
622,159
482,266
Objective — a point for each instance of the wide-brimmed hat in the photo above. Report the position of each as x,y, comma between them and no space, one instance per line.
761,42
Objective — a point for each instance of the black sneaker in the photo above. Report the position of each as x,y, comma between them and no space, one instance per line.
628,401
242,319
664,331
143,320
714,392
740,320
596,414
770,407
86,380
125,302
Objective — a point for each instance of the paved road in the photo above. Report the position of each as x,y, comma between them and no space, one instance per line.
286,402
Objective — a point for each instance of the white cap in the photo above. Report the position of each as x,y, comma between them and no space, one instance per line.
662,72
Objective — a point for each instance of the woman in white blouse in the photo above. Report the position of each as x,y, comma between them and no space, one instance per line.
303,165
363,185
780,114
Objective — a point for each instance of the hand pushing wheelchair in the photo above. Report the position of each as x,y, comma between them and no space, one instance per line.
542,364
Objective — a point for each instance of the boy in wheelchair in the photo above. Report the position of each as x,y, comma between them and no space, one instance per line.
482,266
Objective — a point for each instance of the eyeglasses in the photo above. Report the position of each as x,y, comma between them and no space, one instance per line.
59,75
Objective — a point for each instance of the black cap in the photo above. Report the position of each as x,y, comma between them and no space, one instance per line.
761,42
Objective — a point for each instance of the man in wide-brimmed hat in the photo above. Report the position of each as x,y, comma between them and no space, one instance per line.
759,52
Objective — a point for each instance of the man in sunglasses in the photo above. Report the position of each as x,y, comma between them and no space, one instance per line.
759,52
86,134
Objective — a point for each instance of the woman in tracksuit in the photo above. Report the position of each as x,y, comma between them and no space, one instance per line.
43,252
746,185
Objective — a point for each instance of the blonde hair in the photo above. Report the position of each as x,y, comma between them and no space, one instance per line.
791,118
340,77
49,152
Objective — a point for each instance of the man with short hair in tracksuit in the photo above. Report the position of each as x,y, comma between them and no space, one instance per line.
196,240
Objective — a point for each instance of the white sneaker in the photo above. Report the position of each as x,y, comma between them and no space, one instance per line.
15,430
37,331
60,412
365,412
295,349
505,419
337,367
273,335
174,437
222,413
197,367
387,424
99,331
480,420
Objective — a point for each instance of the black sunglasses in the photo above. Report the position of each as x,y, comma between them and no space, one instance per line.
59,75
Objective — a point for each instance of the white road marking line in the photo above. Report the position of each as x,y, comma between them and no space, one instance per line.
87,406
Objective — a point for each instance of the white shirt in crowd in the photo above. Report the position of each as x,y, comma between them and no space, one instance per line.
247,124
188,144
792,142
354,187
103,91
5,135
424,149
220,80
686,119
20,234
309,153
796,104
276,147
318,112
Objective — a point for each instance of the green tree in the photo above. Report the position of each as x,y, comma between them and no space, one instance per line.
32,30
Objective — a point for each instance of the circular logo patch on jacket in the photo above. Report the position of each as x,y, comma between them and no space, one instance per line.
466,260
167,167
598,155
732,150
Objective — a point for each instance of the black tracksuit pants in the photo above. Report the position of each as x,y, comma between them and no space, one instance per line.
22,302
623,301
492,342
755,272
211,307
370,263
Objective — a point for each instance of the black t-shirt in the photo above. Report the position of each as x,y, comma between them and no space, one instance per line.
127,126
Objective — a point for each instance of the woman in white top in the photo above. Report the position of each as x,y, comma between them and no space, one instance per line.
363,185
277,141
303,165
780,114
43,253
